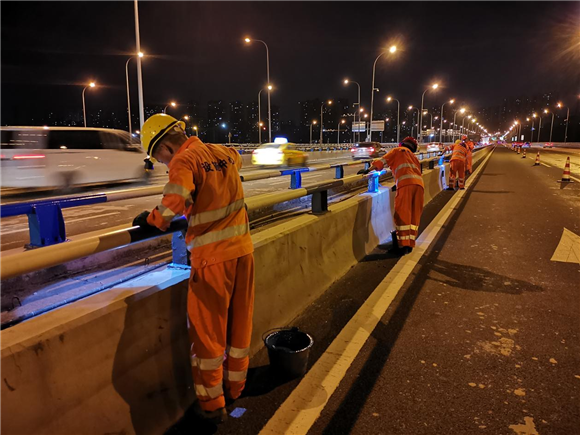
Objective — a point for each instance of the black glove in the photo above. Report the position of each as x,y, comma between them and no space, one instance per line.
394,188
141,220
364,171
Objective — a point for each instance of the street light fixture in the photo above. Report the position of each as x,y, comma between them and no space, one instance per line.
260,113
140,55
90,85
434,86
391,50
248,41
342,121
462,111
389,99
417,109
329,102
195,130
346,82
172,104
560,105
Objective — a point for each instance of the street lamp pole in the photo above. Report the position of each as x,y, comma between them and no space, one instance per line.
417,109
172,104
260,117
342,121
435,86
539,127
441,123
390,50
248,40
321,119
559,105
346,81
398,112
311,124
551,127
462,111
91,85
139,72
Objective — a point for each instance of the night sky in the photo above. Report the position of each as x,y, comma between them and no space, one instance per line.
479,52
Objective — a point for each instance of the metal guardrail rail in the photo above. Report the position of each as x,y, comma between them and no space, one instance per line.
49,256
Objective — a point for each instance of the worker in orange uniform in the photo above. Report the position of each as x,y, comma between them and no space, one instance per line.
457,164
469,156
204,185
406,170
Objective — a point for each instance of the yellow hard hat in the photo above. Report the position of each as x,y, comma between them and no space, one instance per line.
155,128
457,141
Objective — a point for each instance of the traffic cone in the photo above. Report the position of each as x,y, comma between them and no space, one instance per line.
566,175
537,163
518,150
524,156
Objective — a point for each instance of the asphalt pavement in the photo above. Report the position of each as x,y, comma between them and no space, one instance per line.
482,338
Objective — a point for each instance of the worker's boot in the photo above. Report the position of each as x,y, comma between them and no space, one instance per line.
218,416
395,246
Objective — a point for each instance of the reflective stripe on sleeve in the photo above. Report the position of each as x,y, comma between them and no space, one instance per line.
235,376
211,392
214,215
236,352
216,236
404,177
176,189
207,363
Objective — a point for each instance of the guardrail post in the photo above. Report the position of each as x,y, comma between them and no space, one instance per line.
179,248
373,183
296,180
46,225
320,202
431,164
339,172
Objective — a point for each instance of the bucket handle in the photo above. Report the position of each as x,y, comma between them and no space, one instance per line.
284,328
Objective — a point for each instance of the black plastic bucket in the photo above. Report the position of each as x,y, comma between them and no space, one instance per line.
288,351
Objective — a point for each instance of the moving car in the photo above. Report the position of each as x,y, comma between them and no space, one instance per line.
367,150
279,153
62,157
434,147
549,145
526,145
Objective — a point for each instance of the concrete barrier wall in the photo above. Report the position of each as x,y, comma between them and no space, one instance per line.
117,362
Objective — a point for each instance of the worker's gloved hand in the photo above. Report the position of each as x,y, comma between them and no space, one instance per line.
364,171
141,220
394,188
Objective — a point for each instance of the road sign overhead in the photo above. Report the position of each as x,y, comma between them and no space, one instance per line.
358,127
377,125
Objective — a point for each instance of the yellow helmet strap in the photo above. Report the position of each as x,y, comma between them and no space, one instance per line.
158,136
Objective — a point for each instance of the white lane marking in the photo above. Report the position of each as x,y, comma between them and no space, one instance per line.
301,409
551,166
68,221
568,250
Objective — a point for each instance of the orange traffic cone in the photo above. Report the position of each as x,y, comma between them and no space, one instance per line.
524,156
518,150
537,163
566,175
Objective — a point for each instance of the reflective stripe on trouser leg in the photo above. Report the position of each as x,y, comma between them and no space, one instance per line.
240,328
408,210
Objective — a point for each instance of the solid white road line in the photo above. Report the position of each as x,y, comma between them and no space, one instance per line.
551,166
301,409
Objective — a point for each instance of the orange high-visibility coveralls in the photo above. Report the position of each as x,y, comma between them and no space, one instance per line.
457,164
469,158
406,170
204,184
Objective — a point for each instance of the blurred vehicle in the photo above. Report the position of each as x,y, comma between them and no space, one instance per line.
549,145
434,147
279,153
526,145
367,150
62,157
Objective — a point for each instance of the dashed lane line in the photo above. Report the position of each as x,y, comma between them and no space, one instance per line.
304,405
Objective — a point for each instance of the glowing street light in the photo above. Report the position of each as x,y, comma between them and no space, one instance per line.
139,55
248,41
417,109
269,87
391,50
342,121
462,111
172,104
195,130
90,85
311,124
433,86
